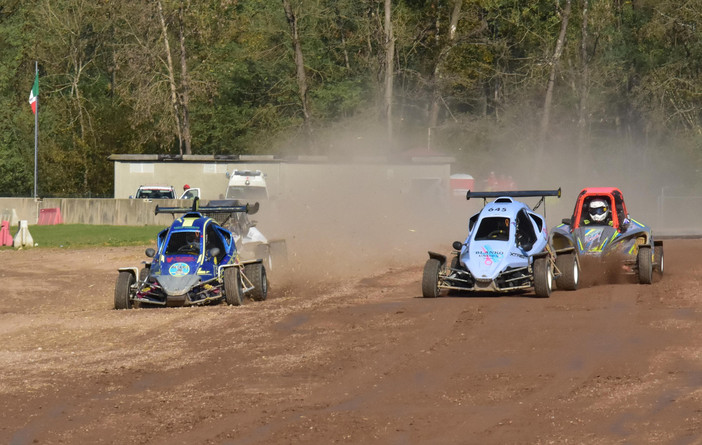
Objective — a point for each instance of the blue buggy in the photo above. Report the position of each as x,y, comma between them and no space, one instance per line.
195,263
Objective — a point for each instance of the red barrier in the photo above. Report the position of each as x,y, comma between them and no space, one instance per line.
5,237
50,216
460,184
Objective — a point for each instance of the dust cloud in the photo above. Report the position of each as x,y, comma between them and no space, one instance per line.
659,182
341,224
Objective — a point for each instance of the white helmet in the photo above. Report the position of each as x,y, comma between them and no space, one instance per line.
598,210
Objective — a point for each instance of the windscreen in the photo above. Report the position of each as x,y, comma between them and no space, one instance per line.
184,243
494,228
155,194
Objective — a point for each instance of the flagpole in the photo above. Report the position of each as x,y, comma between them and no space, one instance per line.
36,132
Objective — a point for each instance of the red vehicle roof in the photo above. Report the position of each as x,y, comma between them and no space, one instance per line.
612,194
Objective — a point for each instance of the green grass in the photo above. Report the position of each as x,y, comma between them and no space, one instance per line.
85,235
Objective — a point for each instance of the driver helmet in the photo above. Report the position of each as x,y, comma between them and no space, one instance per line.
186,187
598,210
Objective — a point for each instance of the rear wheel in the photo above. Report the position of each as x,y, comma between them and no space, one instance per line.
645,265
256,273
543,277
123,290
232,286
658,257
430,278
570,275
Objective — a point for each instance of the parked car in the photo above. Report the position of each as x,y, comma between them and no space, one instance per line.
155,192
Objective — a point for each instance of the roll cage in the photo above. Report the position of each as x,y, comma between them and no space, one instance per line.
611,195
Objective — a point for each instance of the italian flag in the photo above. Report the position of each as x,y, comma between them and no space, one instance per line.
34,94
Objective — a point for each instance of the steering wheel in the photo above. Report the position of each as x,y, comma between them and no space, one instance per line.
495,234
190,247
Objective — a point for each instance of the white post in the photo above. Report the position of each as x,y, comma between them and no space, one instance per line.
23,237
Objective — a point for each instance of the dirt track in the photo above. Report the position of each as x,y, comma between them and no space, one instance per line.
353,360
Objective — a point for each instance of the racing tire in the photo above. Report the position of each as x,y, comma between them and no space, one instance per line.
430,278
144,274
570,273
123,290
233,292
658,257
455,263
256,273
644,265
543,277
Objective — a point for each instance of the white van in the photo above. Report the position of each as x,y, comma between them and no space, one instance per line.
247,185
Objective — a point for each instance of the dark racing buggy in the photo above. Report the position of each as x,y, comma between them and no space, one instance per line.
506,250
251,242
195,263
600,229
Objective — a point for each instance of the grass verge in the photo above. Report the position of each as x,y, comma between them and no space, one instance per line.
86,235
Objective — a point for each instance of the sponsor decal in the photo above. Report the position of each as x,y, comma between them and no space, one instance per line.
179,269
178,258
518,255
592,237
489,256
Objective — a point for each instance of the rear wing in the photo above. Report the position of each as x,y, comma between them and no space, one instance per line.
247,208
517,194
514,194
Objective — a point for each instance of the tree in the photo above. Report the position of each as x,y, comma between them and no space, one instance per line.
16,120
584,84
171,78
560,43
389,68
299,65
75,32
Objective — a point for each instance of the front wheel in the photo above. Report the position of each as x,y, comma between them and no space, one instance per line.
543,277
123,290
645,265
658,257
570,274
256,273
232,286
144,273
430,278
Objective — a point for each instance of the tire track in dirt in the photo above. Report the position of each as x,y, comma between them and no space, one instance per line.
351,360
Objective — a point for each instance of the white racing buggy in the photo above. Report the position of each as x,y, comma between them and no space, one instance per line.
250,242
506,250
